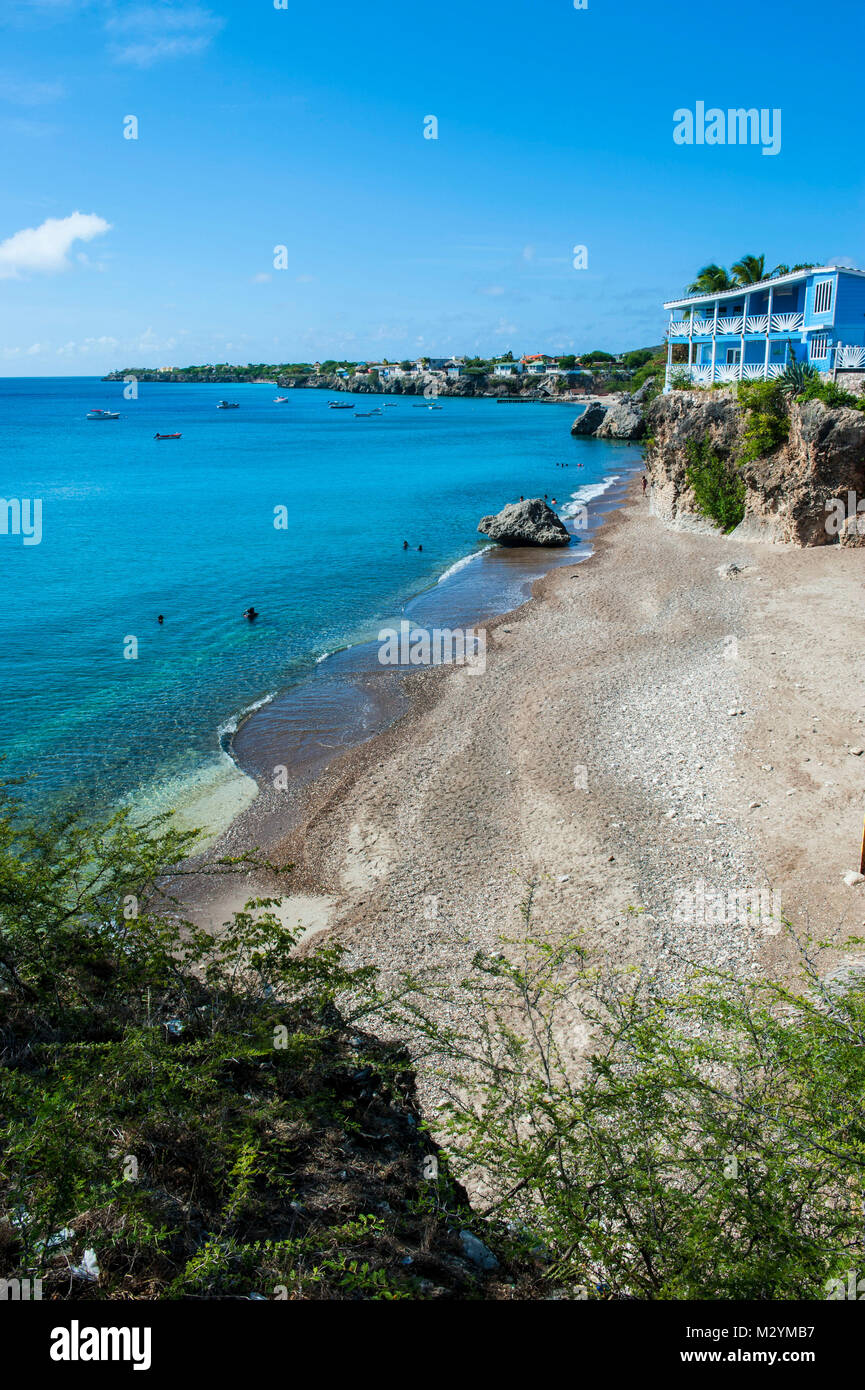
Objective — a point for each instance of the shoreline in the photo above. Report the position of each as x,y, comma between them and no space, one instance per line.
415,847
270,816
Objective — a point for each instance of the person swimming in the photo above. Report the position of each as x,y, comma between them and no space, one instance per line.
160,619
405,545
250,613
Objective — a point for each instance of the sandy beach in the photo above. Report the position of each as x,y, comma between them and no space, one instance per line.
645,725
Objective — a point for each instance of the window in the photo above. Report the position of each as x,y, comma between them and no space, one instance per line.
733,357
819,346
822,296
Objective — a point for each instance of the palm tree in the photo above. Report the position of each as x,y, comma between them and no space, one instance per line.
712,279
749,270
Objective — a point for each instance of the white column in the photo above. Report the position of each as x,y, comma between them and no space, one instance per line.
745,304
714,340
768,331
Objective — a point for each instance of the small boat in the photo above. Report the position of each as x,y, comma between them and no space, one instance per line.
338,405
228,405
103,415
390,405
363,415
166,436
279,400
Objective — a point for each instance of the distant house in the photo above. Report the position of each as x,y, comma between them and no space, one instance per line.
751,333
431,364
538,364
507,368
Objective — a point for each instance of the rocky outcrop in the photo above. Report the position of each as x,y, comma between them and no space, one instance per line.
618,417
525,523
591,418
787,492
624,420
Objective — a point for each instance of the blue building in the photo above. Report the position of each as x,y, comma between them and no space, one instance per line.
752,332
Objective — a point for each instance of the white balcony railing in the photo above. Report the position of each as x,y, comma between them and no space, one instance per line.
850,357
731,325
701,374
680,330
787,323
757,323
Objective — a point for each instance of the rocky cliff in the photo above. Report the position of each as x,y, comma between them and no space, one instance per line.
786,492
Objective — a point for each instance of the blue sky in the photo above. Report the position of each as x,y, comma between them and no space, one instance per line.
303,127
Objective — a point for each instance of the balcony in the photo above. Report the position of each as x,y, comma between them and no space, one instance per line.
730,325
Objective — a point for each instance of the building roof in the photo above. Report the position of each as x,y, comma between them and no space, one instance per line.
738,290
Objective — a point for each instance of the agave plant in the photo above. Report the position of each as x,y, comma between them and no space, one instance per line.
796,377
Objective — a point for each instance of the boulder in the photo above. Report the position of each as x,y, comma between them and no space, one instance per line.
591,418
624,420
530,522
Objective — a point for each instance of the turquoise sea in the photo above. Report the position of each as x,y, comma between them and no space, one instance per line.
99,700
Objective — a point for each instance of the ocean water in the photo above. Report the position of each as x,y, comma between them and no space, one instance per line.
102,703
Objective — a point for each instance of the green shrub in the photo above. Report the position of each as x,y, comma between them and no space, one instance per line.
719,491
829,392
767,422
711,1145
186,1111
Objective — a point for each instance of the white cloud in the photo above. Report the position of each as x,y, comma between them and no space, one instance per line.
45,248
493,290
147,34
261,279
86,345
21,92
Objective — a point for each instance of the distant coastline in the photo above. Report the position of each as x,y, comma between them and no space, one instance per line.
427,384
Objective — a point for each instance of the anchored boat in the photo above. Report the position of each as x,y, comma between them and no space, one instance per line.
103,415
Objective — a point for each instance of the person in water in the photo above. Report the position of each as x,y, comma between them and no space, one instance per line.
160,619
405,545
420,547
250,614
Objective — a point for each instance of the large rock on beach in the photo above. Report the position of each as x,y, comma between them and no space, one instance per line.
530,522
591,418
624,420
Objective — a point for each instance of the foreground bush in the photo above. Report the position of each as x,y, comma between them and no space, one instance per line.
207,1122
711,1146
